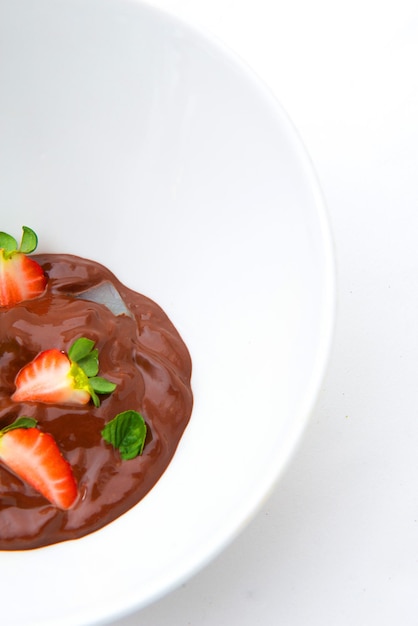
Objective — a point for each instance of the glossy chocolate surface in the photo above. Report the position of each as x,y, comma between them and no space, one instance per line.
141,352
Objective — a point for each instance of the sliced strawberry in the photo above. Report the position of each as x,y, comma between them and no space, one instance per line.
35,457
21,278
54,377
50,378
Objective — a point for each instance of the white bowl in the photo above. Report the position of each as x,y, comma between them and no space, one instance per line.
132,139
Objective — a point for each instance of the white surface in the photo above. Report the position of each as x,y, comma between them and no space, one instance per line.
337,541
106,106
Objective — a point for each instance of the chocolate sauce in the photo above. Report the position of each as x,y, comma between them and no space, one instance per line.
140,351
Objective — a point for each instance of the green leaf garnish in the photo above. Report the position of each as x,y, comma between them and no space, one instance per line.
7,242
94,396
80,348
90,363
20,422
85,367
29,241
126,432
101,385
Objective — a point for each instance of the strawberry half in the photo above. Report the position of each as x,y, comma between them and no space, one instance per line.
35,457
55,378
21,278
50,378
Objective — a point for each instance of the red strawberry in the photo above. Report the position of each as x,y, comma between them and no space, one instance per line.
54,377
35,457
50,378
21,278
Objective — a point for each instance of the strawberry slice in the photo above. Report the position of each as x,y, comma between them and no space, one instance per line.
51,378
35,457
21,278
57,378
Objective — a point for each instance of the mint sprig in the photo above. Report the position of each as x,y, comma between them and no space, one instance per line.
127,433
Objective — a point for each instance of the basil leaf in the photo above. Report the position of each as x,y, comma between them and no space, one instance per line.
126,432
29,240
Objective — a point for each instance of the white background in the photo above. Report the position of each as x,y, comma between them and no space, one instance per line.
337,542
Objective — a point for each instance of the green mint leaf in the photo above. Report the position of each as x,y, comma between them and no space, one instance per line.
80,349
126,432
90,363
29,240
7,242
101,385
20,422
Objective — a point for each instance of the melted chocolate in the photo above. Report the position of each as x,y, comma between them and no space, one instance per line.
141,352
